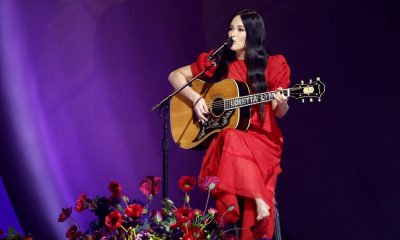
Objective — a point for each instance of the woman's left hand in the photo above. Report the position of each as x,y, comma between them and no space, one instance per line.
280,98
280,104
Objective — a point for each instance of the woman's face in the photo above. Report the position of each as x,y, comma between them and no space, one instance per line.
238,34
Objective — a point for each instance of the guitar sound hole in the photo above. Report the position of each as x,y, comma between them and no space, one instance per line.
217,107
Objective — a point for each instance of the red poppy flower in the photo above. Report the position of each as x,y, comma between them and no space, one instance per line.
134,210
73,233
196,232
186,183
115,188
114,220
188,236
175,225
208,183
184,214
81,204
65,213
151,185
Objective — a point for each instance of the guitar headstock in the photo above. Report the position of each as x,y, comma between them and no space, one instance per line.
311,90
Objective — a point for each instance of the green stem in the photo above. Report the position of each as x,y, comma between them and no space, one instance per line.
149,201
124,228
74,222
184,200
205,225
154,237
233,229
125,202
222,217
208,197
186,227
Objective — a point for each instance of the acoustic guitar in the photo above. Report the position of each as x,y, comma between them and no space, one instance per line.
229,103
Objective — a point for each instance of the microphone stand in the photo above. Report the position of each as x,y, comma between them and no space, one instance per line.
163,105
277,232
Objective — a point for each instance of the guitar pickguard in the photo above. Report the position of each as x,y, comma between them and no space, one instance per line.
213,123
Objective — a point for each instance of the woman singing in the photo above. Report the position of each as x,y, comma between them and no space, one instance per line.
246,163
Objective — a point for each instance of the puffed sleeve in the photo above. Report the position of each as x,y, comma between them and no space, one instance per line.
201,64
279,72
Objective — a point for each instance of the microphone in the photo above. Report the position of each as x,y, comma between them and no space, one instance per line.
227,44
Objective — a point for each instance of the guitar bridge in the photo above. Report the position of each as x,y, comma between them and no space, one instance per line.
214,123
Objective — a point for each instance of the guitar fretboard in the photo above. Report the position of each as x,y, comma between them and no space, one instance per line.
253,99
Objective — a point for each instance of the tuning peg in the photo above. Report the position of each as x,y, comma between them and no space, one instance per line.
302,100
302,82
319,99
310,80
318,78
311,100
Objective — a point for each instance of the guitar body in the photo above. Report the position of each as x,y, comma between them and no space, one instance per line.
188,132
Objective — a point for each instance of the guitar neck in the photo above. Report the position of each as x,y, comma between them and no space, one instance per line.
253,99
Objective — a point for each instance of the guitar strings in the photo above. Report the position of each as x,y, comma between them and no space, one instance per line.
221,103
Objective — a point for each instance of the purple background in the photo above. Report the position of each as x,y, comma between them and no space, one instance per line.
78,79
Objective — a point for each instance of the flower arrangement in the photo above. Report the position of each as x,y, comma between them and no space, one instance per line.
12,234
119,218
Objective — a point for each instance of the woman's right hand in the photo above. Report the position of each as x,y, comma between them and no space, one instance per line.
201,109
177,79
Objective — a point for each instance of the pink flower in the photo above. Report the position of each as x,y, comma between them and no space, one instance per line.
114,220
65,213
151,185
197,212
208,183
186,183
212,211
115,188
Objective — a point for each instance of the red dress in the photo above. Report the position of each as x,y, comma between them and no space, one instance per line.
247,163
